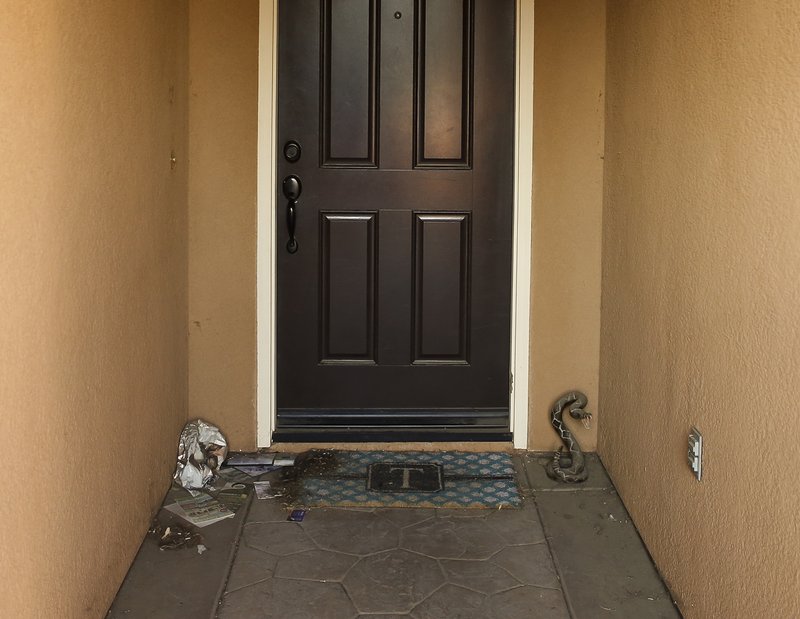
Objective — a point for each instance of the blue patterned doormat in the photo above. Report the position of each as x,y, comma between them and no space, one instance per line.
339,479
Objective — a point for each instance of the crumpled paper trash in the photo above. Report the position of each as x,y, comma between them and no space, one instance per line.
201,450
176,536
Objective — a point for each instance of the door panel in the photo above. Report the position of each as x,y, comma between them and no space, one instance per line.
444,83
394,312
441,299
348,287
349,97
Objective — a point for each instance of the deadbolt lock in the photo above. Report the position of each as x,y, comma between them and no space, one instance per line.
292,151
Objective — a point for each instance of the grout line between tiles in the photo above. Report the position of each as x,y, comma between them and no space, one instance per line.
556,565
237,536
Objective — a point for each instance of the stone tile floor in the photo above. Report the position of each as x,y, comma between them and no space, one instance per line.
422,563
570,551
460,564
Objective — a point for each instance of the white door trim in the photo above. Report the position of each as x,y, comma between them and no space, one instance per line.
523,209
265,227
266,205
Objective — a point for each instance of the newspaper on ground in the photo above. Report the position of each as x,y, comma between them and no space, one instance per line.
233,498
200,511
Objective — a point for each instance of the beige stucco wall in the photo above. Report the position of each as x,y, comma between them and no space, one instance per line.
700,294
568,117
223,53
93,295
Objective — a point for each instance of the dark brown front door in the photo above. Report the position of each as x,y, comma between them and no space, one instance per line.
394,291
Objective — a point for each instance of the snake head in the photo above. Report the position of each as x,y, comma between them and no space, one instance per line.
579,413
584,417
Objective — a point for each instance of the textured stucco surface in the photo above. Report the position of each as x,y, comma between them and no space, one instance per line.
700,294
568,114
223,122
93,295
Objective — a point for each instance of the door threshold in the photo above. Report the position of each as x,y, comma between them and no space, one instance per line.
387,435
470,446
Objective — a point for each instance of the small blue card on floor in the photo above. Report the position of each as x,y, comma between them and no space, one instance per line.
297,515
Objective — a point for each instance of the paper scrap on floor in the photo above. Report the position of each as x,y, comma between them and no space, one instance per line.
284,460
200,511
256,464
255,471
264,490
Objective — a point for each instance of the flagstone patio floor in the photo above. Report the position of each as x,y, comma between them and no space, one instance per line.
569,552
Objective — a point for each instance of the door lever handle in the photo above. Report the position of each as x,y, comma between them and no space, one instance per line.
292,187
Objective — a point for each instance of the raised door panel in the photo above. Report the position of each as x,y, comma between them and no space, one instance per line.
347,285
441,287
444,84
348,64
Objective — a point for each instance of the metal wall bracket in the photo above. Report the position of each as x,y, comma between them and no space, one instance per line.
696,452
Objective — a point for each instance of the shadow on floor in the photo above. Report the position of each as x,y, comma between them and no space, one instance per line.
570,551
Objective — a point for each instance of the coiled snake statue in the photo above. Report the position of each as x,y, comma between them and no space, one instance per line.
569,466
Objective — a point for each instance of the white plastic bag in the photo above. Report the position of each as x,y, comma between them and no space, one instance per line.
201,450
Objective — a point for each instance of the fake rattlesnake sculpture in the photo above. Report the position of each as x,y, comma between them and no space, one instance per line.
569,466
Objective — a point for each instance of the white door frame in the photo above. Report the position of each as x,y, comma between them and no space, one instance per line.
266,233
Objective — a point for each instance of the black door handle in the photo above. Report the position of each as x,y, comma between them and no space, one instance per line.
291,190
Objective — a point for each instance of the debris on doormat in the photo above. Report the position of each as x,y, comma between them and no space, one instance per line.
482,480
264,490
297,515
200,511
173,536
201,450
